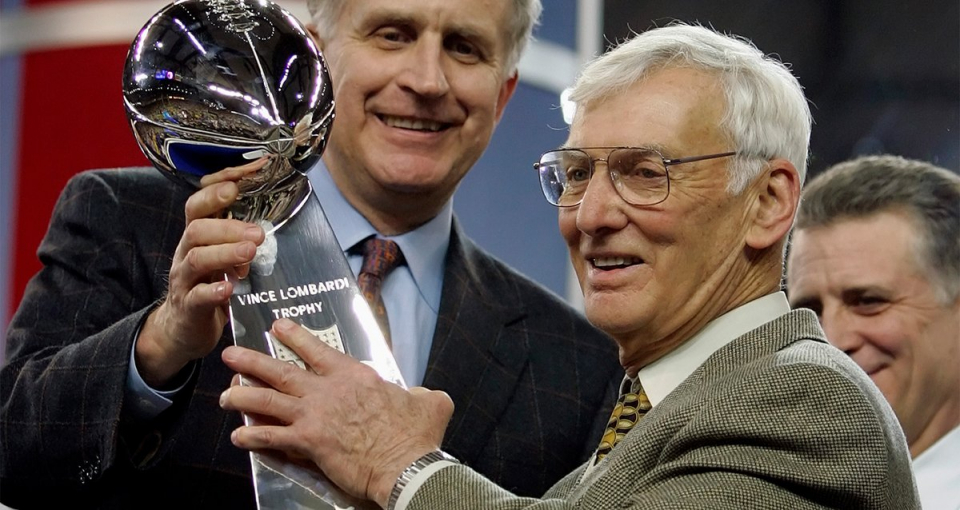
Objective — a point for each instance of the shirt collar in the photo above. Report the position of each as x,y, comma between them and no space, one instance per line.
662,376
424,248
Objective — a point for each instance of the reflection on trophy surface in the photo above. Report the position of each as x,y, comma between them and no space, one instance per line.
218,83
212,84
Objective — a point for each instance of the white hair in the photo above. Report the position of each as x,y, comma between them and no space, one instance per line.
767,115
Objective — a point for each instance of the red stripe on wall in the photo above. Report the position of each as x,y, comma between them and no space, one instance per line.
71,119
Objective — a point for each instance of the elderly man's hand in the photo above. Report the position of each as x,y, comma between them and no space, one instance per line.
189,321
360,430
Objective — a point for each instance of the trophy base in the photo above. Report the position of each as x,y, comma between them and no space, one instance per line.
284,485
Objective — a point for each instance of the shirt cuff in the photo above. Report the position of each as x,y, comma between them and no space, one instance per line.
140,400
406,495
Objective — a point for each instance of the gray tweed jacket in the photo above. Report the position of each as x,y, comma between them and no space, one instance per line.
776,419
507,351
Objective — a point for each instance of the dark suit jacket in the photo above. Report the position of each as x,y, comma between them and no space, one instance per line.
531,380
776,419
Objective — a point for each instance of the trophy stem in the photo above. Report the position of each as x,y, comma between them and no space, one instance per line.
276,206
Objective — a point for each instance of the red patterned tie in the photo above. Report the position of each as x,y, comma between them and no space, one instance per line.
380,256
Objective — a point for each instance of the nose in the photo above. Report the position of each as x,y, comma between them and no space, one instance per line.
425,73
601,208
841,329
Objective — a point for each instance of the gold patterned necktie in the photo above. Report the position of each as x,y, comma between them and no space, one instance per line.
380,256
632,405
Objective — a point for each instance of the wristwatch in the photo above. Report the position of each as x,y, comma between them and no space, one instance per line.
412,470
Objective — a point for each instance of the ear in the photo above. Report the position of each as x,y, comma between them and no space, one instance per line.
506,92
315,35
777,195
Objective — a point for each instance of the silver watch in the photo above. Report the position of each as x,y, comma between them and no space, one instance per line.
412,470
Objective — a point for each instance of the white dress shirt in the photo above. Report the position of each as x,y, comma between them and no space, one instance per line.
663,376
937,471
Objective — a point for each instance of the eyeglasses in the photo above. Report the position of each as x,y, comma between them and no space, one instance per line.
639,175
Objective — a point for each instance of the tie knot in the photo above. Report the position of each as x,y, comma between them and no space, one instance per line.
380,256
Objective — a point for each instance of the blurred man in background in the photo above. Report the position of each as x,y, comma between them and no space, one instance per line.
876,254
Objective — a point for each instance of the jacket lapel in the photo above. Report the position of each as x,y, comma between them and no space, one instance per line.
473,357
639,452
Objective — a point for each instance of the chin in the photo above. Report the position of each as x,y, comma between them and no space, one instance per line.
612,324
882,379
416,181
409,188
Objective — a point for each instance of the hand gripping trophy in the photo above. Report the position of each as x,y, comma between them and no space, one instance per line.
211,84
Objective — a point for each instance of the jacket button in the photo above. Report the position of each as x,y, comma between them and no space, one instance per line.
89,469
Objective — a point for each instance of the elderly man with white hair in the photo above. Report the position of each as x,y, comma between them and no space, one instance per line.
677,189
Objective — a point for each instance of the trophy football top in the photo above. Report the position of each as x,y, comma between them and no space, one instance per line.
210,84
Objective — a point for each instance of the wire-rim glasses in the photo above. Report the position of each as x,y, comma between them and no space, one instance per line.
639,174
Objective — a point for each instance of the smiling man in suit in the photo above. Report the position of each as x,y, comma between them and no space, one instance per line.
677,188
110,391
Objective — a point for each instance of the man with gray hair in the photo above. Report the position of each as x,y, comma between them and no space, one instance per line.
876,254
677,188
110,392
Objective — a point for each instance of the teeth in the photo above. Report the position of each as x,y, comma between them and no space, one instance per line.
416,124
616,261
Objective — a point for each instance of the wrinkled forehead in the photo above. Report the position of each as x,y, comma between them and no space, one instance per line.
673,108
857,251
488,19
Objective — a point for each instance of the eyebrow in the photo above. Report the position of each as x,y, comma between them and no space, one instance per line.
650,147
385,16
858,292
390,16
805,302
467,30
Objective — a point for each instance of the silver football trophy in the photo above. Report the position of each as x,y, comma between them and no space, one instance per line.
211,84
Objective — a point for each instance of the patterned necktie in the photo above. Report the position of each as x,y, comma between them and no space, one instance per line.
380,256
632,405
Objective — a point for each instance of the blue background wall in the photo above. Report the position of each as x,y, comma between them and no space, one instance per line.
499,202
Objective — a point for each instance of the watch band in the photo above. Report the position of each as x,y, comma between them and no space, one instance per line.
412,470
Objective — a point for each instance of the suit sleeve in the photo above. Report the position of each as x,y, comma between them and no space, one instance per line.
69,343
460,488
800,437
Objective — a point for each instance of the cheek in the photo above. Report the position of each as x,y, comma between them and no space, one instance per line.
889,383
567,221
932,350
349,115
479,93
888,335
663,227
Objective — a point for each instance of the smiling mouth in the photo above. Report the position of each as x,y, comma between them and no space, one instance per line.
428,126
607,263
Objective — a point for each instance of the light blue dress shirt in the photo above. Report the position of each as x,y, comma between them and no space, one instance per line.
411,292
